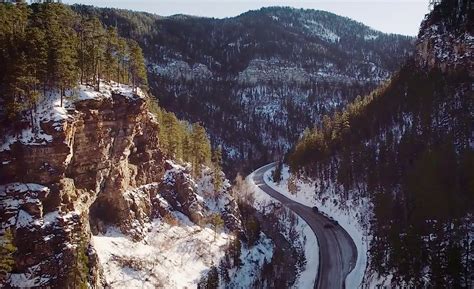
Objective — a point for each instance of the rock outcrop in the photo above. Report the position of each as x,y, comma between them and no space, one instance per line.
96,164
446,37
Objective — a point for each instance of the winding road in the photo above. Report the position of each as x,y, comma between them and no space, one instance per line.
337,250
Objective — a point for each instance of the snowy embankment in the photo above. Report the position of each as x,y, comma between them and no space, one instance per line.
329,203
306,236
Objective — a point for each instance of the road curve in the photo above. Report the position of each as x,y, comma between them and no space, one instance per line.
337,250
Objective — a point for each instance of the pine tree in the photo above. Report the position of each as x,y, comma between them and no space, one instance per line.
58,20
137,66
111,51
12,57
7,249
122,52
217,168
201,148
187,148
174,134
217,223
224,270
37,54
235,250
212,281
94,50
277,172
80,269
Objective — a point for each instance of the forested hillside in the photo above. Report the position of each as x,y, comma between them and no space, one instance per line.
408,148
256,81
99,186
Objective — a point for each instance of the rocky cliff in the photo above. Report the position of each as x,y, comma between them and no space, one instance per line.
446,37
84,168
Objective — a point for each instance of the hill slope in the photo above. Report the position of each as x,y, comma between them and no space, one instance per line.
408,147
259,79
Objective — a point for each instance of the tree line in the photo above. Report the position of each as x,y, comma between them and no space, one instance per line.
47,47
188,143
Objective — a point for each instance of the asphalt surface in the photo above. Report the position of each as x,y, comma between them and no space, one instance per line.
337,250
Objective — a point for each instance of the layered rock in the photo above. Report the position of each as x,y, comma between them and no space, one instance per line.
83,169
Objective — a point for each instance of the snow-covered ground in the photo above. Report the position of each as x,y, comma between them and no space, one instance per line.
252,262
174,256
306,236
328,202
170,256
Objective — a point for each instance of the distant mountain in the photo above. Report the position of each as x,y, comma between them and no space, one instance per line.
258,80
407,150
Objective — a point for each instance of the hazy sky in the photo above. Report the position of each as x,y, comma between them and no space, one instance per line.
391,16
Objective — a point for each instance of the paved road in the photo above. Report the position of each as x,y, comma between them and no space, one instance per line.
338,253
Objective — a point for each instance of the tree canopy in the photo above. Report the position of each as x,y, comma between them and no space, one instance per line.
48,47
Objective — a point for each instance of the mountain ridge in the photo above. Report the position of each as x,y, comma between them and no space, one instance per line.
243,75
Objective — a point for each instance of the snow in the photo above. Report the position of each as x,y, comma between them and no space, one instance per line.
307,238
25,280
443,47
86,92
252,261
273,69
14,195
22,188
330,205
371,37
174,251
318,29
178,69
49,112
24,219
174,255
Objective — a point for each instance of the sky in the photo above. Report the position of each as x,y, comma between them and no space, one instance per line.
390,16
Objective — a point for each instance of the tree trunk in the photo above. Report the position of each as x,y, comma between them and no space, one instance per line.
118,72
82,56
61,92
98,75
32,120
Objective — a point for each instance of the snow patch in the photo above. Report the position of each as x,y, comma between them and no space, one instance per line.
318,29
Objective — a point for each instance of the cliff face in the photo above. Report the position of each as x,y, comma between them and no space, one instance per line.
94,164
446,37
